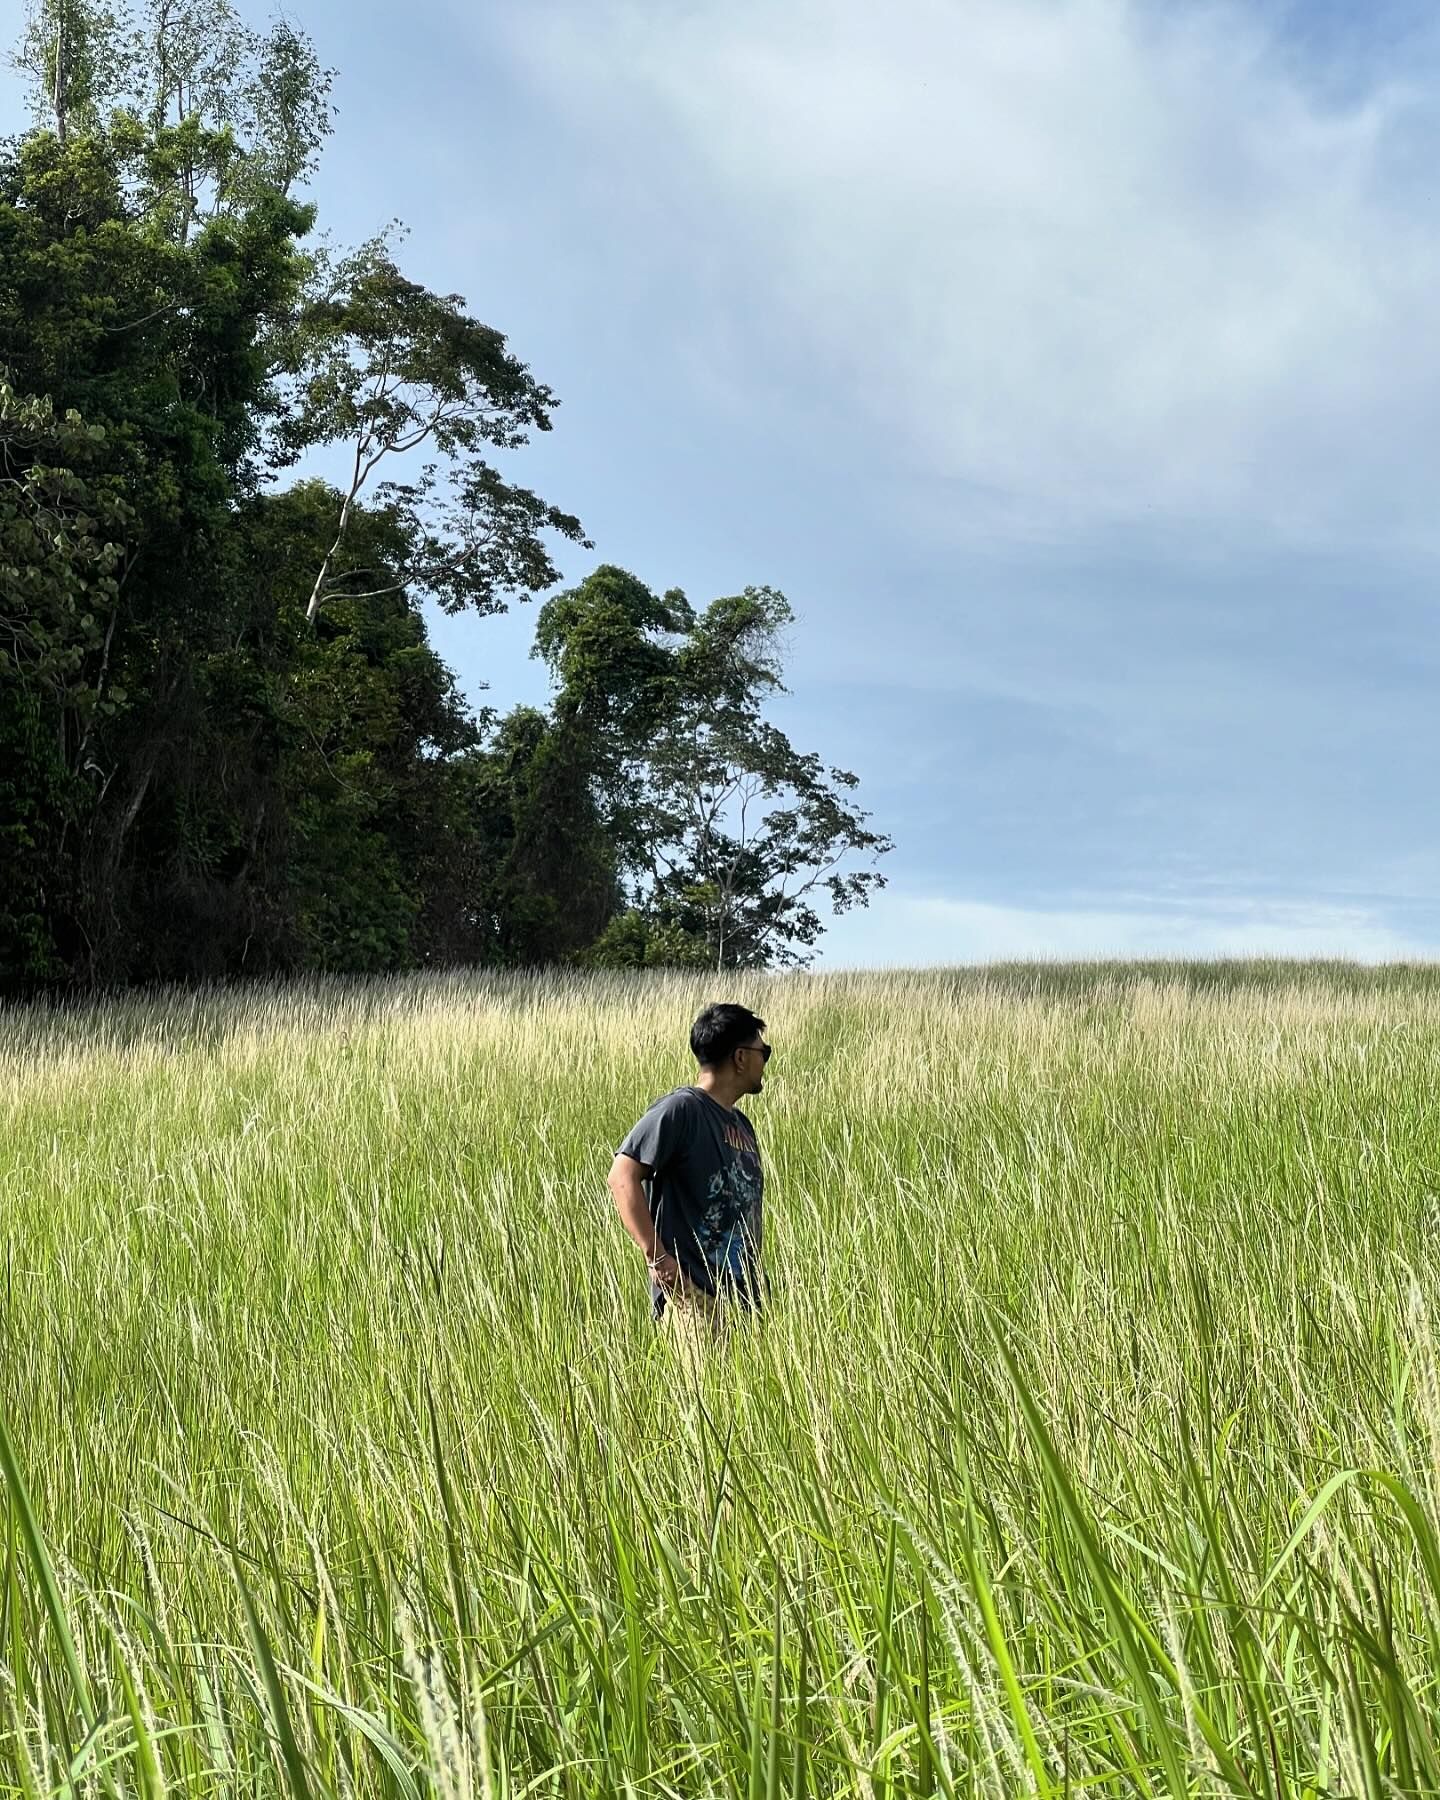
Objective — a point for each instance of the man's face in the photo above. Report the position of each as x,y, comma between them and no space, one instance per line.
750,1060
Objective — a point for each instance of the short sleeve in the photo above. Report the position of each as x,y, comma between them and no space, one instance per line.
663,1132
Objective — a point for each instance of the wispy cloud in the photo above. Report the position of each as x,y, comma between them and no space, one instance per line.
921,930
1083,261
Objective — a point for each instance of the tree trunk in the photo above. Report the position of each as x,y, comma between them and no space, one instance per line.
59,100
132,808
318,590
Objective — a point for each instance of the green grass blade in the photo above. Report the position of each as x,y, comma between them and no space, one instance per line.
293,1761
44,1575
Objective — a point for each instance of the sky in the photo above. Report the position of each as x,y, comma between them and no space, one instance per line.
1072,366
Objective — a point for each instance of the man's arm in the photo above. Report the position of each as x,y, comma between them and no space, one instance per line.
626,1182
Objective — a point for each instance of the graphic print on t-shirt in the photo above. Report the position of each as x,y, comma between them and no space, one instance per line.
727,1226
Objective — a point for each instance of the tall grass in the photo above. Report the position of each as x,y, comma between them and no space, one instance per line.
1091,1444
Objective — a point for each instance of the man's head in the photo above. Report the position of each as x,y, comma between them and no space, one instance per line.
727,1041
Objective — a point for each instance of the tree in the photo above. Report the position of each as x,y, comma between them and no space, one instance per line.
78,57
155,343
539,866
382,365
61,547
267,91
239,111
197,779
32,803
370,725
727,836
559,881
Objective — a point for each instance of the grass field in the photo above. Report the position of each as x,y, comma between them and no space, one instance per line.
1091,1444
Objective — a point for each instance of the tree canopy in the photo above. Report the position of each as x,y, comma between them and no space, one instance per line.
227,746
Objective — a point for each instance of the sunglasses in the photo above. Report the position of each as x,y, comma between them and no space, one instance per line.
764,1049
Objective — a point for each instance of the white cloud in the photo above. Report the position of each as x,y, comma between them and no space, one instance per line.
1084,262
926,931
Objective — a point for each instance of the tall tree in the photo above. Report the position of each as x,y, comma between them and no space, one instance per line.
240,110
558,883
237,112
155,343
78,57
728,836
197,779
390,370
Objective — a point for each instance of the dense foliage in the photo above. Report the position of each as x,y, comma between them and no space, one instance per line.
226,745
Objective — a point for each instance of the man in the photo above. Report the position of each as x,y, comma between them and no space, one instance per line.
687,1182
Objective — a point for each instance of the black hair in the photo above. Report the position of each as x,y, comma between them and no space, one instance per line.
720,1031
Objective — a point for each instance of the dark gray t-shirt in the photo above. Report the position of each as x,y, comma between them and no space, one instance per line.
705,1190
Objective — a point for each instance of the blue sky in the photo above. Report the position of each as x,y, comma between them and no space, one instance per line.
1071,364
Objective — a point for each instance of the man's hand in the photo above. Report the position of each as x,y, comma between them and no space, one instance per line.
672,1280
665,1271
627,1189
